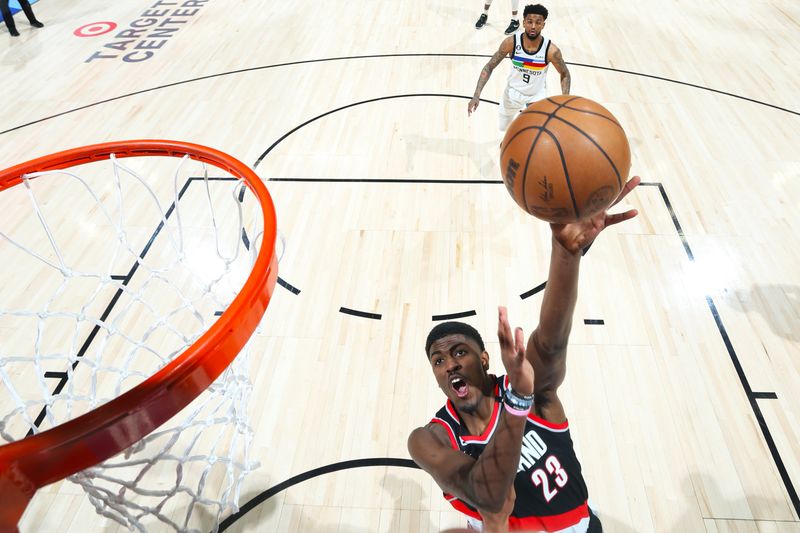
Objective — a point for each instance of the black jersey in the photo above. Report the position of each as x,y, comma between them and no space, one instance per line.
551,492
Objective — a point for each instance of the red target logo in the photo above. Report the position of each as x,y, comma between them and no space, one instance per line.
93,29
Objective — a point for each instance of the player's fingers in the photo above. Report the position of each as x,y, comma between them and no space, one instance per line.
627,188
503,328
620,217
519,342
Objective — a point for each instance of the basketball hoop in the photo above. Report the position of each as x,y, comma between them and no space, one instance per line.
106,430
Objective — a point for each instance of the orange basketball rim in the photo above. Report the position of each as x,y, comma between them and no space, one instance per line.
29,464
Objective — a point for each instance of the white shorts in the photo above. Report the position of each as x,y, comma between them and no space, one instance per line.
581,527
513,102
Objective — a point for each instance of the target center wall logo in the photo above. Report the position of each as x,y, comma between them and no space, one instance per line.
145,35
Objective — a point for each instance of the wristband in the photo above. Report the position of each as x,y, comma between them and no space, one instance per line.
516,412
516,402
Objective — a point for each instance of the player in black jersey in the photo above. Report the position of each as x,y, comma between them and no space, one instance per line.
500,447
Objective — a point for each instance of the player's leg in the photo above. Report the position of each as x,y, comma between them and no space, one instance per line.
514,24
485,15
28,10
8,18
510,105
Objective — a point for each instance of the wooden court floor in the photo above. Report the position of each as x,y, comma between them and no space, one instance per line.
684,366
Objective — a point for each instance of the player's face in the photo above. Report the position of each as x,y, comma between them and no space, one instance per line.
459,366
533,25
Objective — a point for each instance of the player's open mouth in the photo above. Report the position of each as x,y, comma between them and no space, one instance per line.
459,386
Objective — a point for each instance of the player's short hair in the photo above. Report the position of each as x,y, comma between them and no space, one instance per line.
453,328
535,9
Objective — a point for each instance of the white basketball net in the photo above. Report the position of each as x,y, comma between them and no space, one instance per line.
111,275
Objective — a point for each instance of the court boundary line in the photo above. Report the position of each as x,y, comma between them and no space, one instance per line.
305,476
384,56
752,397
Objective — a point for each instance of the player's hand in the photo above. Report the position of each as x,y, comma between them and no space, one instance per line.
576,236
512,352
473,105
498,522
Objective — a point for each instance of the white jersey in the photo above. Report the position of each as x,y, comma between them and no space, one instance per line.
528,71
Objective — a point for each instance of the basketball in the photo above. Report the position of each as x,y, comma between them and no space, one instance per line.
564,158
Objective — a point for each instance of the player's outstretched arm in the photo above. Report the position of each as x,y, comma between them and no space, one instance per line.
506,48
547,345
554,57
484,483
